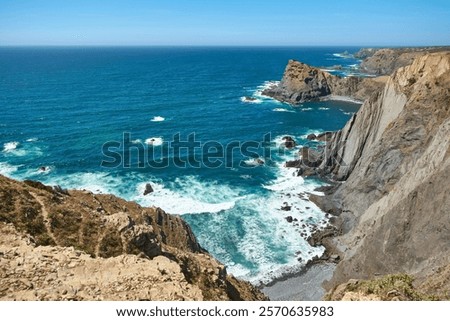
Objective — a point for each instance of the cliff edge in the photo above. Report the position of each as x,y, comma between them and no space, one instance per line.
384,61
75,245
393,161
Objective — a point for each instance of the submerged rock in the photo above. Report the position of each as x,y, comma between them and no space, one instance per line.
286,207
249,99
289,219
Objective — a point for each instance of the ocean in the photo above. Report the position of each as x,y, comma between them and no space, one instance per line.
190,121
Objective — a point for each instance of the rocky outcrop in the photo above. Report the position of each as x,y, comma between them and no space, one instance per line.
397,287
393,159
302,82
78,245
385,61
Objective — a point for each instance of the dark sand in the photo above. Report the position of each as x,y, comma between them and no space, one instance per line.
306,286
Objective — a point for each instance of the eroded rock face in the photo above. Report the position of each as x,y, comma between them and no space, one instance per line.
302,82
80,246
393,157
386,60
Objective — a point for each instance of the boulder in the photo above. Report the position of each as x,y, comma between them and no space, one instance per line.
148,189
286,207
324,137
289,142
293,163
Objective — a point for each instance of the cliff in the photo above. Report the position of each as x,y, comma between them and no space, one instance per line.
302,82
393,161
385,61
75,245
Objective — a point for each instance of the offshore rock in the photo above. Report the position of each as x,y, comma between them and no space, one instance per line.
302,82
148,189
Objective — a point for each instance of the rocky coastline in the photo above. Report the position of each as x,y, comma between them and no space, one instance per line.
387,199
57,244
302,82
387,168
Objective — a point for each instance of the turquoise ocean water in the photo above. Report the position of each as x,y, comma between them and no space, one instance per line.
59,106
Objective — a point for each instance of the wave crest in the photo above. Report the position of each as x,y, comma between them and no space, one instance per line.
158,119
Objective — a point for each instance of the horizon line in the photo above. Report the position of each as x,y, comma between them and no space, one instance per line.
222,45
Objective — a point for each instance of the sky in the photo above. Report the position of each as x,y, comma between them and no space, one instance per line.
230,22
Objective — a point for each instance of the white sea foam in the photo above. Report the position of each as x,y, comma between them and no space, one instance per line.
251,100
286,188
157,119
7,169
187,195
154,141
255,245
11,146
33,139
278,141
266,85
17,149
324,108
45,170
343,55
307,109
283,110
192,195
136,141
100,183
254,162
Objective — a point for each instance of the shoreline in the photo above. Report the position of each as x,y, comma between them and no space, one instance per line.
305,285
347,99
308,283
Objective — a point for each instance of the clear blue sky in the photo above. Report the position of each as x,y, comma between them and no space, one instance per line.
230,22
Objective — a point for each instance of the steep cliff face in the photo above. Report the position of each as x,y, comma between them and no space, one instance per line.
394,159
75,245
302,82
386,60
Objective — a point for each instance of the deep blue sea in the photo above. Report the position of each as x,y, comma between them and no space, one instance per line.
62,108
